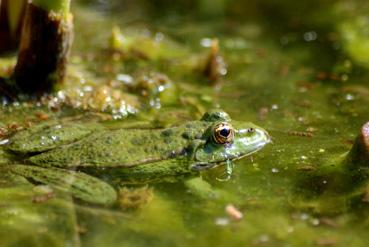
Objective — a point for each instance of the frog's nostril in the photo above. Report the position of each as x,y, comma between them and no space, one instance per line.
264,135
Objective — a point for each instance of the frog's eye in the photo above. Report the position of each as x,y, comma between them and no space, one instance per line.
223,133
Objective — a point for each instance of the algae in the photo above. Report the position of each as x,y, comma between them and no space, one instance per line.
298,69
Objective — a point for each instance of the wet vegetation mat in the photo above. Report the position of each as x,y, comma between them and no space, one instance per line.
141,144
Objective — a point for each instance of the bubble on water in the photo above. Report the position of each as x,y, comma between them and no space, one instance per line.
314,222
275,170
222,221
310,36
349,97
87,89
161,88
206,42
304,216
159,37
125,78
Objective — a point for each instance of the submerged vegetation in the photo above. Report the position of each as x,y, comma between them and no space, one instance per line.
146,74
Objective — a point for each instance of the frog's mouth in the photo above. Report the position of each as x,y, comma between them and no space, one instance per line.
244,155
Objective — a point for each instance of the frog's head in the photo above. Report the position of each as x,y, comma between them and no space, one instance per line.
226,139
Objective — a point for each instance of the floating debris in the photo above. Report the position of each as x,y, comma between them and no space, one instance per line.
263,113
233,212
42,116
300,133
215,67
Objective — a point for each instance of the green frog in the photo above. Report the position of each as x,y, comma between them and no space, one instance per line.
60,154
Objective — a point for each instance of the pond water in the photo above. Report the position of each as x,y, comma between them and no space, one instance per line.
299,70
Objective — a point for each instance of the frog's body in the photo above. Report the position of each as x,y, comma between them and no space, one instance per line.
135,153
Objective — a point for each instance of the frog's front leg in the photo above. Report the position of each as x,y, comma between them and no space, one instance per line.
201,188
228,171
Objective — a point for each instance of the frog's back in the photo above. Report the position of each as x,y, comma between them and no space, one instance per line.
120,148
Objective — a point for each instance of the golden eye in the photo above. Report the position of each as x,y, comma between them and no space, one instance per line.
223,133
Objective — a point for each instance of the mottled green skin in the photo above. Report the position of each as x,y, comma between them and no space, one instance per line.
48,136
132,153
123,147
188,144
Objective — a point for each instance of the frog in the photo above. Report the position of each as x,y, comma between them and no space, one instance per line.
86,153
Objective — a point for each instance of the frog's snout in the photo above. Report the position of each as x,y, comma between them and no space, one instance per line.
263,136
268,137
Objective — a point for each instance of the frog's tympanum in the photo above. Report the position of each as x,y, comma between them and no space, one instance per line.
132,154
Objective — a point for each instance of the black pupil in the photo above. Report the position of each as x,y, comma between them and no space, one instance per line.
224,132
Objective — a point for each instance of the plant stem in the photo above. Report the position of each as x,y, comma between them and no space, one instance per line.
15,14
45,43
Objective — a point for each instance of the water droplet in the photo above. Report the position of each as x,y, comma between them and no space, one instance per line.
55,138
57,126
4,141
